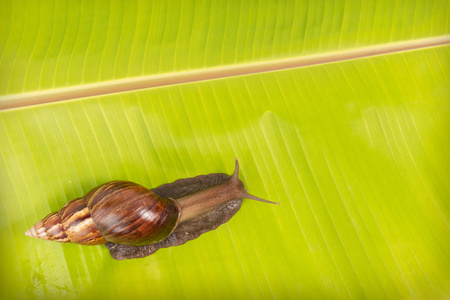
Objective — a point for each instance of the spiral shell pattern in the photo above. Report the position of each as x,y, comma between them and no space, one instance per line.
121,212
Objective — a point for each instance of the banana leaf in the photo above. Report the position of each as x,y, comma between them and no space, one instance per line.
357,152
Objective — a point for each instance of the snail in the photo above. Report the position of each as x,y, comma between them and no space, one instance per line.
133,221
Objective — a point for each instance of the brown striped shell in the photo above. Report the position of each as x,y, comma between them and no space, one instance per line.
120,212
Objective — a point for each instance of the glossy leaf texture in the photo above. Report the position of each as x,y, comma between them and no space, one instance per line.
357,152
48,44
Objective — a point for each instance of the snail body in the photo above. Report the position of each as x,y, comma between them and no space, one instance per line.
134,221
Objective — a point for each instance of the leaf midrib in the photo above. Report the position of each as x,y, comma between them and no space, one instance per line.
152,81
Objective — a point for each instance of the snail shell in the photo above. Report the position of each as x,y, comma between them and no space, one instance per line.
120,212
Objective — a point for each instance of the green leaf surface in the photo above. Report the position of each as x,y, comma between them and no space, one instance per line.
47,44
357,152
